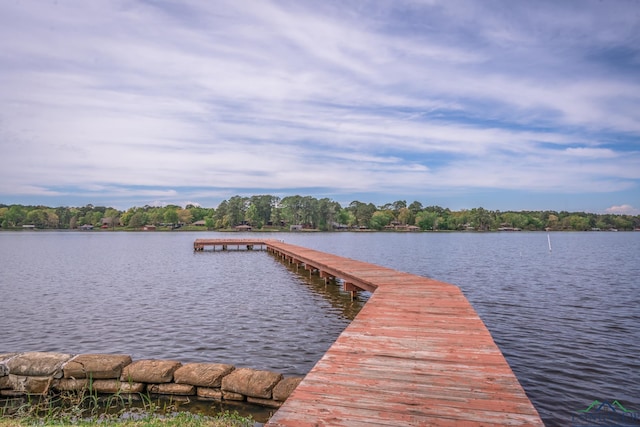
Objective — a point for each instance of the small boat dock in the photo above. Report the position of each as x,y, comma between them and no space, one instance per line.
228,244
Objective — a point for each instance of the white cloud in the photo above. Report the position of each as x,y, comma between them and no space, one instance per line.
623,210
596,153
303,95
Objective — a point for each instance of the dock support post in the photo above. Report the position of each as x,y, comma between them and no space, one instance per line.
351,288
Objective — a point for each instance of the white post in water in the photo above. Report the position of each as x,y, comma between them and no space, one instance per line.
549,240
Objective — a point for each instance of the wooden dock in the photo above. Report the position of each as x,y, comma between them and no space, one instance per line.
226,244
417,354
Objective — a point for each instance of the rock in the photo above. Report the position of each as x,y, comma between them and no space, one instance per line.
4,357
117,386
264,402
5,384
229,395
284,388
172,388
150,371
38,364
209,393
71,384
202,374
96,366
30,384
250,382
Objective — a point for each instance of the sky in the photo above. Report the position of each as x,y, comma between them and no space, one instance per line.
506,105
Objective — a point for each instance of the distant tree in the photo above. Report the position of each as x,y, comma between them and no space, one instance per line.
185,216
209,223
253,218
199,213
236,211
37,217
138,219
405,216
53,221
380,219
112,217
276,211
16,215
481,218
362,211
427,220
346,217
415,207
398,205
261,209
292,209
171,216
327,213
220,214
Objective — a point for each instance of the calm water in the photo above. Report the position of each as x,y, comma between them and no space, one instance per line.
566,320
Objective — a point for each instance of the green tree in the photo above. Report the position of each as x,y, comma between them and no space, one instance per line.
363,212
260,210
220,214
327,213
112,217
481,218
209,223
406,216
16,215
380,219
293,209
185,216
171,216
138,219
52,221
236,211
415,207
427,220
346,217
37,217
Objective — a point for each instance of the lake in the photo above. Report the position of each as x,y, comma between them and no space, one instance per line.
567,320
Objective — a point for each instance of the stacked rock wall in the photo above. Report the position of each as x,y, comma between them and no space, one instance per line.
43,372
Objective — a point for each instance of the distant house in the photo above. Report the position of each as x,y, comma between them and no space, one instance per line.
200,223
28,227
85,227
149,227
243,227
295,227
509,229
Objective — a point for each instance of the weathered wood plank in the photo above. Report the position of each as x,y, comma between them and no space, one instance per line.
417,354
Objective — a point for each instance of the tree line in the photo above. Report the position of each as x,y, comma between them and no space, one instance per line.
272,212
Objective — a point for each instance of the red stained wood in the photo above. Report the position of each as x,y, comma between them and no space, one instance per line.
417,354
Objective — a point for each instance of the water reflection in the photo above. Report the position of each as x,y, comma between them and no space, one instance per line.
330,290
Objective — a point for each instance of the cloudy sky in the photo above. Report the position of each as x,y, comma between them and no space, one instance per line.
507,105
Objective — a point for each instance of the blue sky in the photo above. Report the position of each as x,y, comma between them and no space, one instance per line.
500,104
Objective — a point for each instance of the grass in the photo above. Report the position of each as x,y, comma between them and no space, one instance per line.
85,408
184,419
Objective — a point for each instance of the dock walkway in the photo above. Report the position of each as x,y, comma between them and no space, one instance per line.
417,354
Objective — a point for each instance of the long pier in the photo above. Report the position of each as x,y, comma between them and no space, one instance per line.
225,244
417,354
